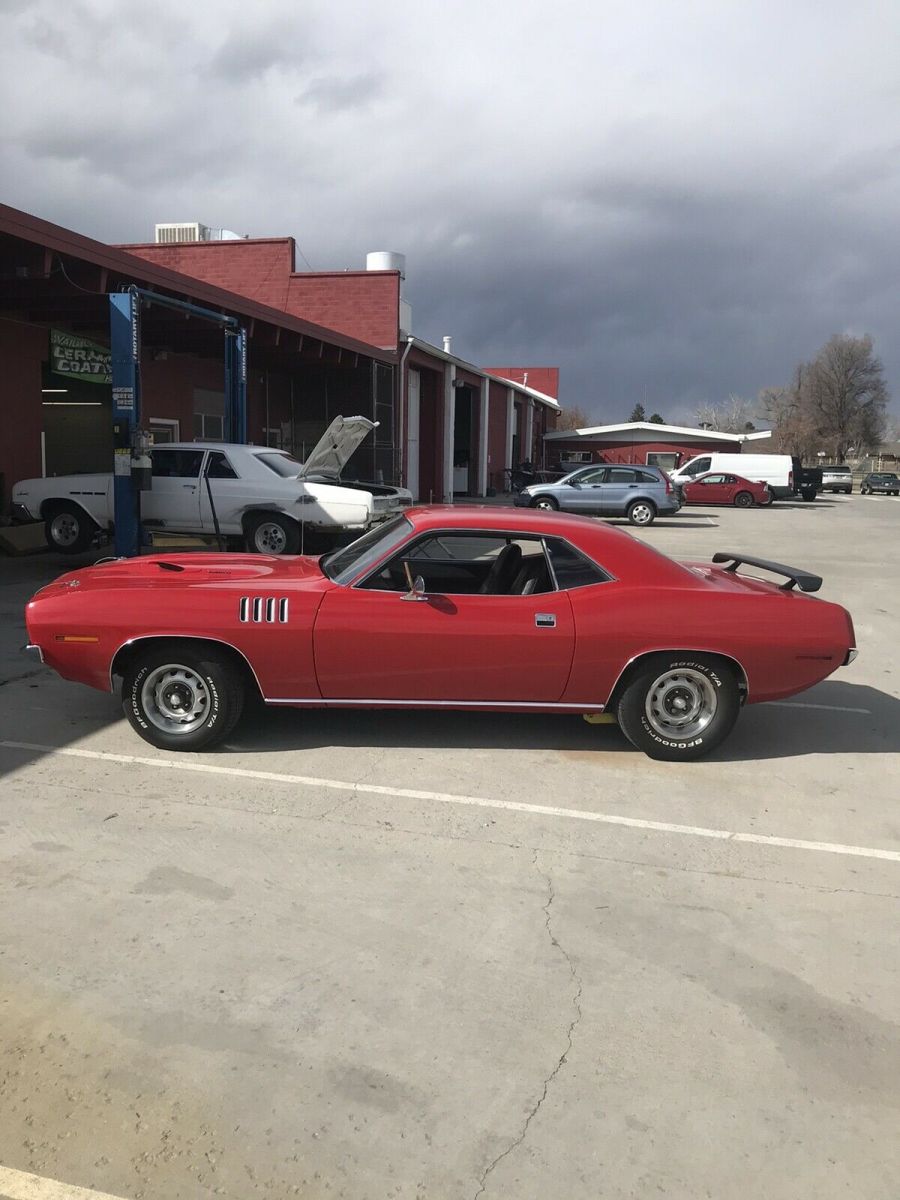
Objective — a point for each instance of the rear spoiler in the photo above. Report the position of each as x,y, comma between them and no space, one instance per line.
803,579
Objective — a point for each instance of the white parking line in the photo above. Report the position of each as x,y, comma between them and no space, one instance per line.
19,1185
543,810
824,707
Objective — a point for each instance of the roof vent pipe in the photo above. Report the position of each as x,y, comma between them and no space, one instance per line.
447,340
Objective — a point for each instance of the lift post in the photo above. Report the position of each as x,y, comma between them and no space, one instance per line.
130,466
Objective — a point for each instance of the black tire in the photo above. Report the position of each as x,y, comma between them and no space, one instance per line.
808,494
272,533
743,500
641,512
547,503
648,710
69,529
158,684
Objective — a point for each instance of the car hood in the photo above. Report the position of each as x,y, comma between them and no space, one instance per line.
185,570
333,450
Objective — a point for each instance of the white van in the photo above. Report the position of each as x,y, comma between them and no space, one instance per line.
777,470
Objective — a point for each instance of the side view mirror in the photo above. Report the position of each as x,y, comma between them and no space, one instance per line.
416,586
576,483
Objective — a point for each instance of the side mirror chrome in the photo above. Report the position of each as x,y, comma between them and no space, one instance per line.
416,586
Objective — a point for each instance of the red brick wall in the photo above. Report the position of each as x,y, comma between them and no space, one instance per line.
542,379
259,268
497,404
362,304
23,350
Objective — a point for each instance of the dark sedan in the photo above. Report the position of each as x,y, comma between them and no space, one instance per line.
884,483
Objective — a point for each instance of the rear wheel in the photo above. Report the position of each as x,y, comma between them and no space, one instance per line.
743,500
272,533
547,503
69,529
183,696
641,512
679,706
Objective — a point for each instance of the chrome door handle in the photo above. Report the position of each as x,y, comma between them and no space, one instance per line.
545,620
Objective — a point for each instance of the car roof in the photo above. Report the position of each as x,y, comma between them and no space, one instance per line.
216,446
612,548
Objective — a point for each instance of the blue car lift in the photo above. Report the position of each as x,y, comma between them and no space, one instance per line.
131,444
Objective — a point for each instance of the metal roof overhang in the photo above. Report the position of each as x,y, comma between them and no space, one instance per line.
52,276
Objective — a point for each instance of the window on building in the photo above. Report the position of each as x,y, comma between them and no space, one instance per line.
209,415
667,461
164,430
575,456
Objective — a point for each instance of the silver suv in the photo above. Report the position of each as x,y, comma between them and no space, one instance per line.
639,493
837,479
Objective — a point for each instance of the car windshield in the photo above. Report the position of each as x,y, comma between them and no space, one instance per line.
345,564
884,477
282,464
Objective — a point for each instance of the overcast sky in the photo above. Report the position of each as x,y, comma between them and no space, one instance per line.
671,202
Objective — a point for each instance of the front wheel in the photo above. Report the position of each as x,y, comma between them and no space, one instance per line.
69,529
641,512
743,500
547,503
679,707
182,696
272,533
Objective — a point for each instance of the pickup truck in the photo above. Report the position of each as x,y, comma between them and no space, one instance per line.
256,493
807,480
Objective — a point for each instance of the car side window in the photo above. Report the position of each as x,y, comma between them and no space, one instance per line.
596,476
646,477
218,466
714,479
698,468
459,564
176,464
571,568
621,475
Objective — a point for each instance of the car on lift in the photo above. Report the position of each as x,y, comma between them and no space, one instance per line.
721,487
612,490
261,495
504,610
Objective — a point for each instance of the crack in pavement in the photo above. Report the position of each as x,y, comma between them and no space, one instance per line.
563,1058
24,675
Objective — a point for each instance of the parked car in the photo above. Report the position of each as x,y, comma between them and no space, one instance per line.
259,494
502,611
727,489
639,493
837,479
886,483
807,480
776,470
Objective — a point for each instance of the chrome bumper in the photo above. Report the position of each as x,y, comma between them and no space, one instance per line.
851,655
33,652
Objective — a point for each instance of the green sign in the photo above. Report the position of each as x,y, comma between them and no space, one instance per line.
75,356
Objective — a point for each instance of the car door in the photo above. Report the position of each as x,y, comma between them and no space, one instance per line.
231,494
174,497
618,490
712,489
444,647
584,493
730,488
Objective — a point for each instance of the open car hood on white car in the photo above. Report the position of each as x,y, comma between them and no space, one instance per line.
333,450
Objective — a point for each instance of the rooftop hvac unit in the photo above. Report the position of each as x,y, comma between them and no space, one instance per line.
182,231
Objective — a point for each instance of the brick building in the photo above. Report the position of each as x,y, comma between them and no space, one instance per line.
319,344
667,446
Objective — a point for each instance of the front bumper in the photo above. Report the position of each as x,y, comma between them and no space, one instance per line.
522,499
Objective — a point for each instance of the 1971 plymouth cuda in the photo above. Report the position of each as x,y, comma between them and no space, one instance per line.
467,608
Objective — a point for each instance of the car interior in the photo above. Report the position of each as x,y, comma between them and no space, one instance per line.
453,564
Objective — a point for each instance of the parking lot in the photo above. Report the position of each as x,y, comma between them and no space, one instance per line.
450,955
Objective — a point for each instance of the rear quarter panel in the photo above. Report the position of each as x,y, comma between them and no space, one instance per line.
784,641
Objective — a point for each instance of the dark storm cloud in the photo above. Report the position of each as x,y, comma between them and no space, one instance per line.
671,203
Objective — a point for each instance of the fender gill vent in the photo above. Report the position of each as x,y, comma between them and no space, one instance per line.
268,610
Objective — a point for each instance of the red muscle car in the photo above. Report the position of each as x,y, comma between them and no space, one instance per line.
724,488
489,609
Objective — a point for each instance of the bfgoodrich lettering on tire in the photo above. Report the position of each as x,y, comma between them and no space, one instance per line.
182,695
679,706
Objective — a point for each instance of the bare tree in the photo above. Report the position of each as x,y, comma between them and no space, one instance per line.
572,418
735,415
846,395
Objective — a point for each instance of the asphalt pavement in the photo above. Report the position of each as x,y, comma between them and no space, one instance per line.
444,955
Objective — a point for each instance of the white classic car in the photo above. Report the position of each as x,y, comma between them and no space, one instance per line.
257,493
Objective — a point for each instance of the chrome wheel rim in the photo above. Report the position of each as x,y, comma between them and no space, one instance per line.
270,538
641,514
64,529
680,704
175,699
547,505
